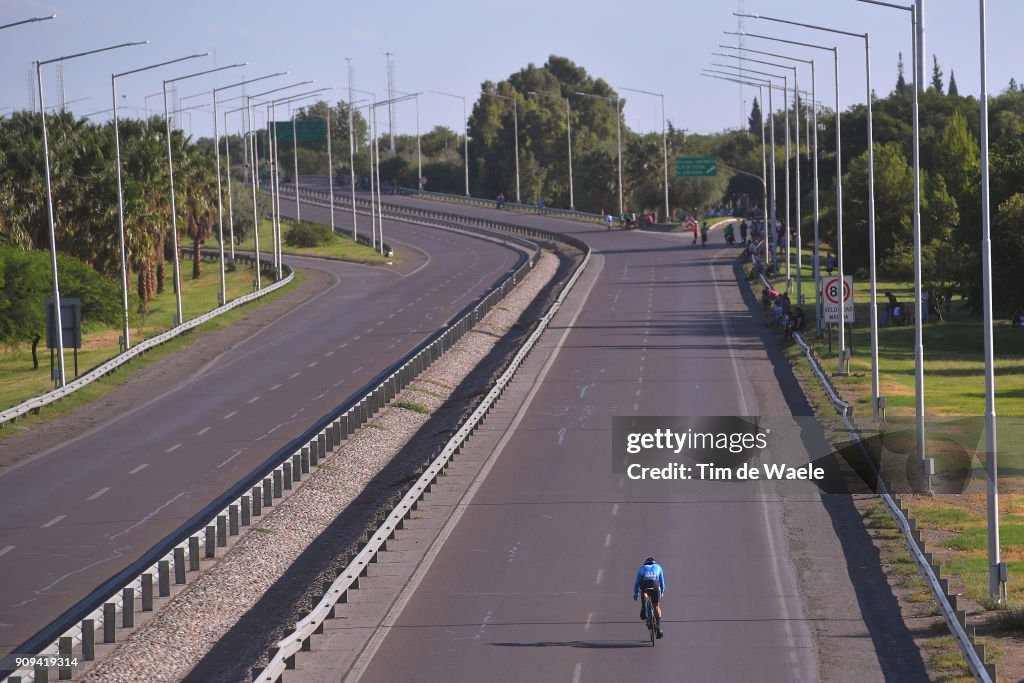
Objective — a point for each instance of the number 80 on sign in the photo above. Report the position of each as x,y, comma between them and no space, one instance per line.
830,299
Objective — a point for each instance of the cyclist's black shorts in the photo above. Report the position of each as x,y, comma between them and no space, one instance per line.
654,592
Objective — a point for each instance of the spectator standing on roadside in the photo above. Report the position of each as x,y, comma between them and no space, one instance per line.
743,230
890,308
830,263
925,298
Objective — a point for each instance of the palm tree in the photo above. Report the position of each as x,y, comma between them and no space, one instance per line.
198,199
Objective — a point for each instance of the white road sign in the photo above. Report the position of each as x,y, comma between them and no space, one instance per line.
830,297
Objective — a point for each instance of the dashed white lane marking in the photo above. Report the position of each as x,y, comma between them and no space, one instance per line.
173,448
53,521
636,407
357,337
607,540
329,354
230,415
98,493
341,346
253,399
486,620
139,468
577,672
294,375
275,387
615,509
202,431
357,369
637,392
561,435
5,550
313,364
590,618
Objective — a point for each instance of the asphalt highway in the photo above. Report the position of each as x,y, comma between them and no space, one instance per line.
534,582
79,511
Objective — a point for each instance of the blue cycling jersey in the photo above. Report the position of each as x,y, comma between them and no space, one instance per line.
648,574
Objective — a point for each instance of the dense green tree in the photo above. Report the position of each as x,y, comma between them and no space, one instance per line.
894,186
936,75
901,81
755,121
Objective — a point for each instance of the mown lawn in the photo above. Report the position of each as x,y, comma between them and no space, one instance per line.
19,381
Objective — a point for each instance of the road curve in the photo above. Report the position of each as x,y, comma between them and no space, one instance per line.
534,581
79,511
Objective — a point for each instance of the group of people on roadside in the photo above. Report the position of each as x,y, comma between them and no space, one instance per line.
781,312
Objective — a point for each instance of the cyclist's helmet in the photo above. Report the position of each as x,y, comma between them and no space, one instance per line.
650,560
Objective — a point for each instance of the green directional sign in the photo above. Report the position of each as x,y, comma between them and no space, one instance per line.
308,130
696,166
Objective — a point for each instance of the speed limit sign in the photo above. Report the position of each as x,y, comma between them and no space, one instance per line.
831,297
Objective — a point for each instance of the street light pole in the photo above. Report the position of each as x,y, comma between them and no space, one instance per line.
170,169
618,137
352,108
61,378
351,149
995,583
875,401
664,141
120,192
770,233
515,129
465,134
764,163
799,239
27,21
255,171
220,198
275,176
568,128
796,109
839,184
918,320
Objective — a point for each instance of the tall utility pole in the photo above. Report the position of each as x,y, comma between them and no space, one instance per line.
351,151
391,106
740,10
921,82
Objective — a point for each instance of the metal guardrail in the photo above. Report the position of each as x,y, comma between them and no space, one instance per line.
223,518
974,655
344,199
117,361
284,655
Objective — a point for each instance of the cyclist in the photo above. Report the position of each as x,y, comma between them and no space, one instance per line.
651,579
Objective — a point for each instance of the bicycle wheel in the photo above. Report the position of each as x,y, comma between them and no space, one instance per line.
652,626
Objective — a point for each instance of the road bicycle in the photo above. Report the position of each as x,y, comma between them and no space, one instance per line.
650,619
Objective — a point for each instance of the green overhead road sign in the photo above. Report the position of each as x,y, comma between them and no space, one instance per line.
696,166
306,130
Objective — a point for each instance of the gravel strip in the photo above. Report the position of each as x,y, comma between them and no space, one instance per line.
179,642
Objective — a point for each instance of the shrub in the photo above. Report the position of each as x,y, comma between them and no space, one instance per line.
308,235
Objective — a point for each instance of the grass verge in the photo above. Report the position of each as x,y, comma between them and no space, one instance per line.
29,386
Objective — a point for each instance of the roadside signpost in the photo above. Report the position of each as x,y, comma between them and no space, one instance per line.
831,297
696,167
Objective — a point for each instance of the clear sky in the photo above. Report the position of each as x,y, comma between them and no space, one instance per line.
455,45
